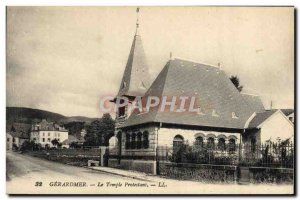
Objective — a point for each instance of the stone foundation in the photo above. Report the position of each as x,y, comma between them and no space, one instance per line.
146,166
113,163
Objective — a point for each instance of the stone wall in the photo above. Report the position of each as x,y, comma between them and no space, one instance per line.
145,166
113,162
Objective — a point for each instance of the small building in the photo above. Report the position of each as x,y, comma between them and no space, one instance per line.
16,135
44,132
76,140
289,113
270,125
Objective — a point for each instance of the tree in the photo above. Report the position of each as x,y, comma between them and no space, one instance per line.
74,127
236,82
99,131
74,145
30,146
59,145
55,142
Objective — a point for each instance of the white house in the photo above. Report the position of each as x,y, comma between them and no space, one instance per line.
272,125
16,135
44,132
289,113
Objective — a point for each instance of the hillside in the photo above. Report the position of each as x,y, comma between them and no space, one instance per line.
29,116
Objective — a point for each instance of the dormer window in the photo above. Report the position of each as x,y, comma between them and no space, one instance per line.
214,113
233,115
142,85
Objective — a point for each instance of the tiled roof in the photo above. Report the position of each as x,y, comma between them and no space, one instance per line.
213,90
254,102
136,76
287,111
65,142
19,130
44,125
260,118
73,138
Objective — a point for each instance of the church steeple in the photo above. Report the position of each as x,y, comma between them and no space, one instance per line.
137,21
136,76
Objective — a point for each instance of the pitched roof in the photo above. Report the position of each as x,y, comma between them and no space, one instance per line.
44,125
287,112
254,102
213,90
73,138
260,118
19,130
136,76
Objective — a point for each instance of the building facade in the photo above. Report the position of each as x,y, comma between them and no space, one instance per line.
224,116
45,132
16,135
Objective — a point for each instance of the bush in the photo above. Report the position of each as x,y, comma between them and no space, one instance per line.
204,155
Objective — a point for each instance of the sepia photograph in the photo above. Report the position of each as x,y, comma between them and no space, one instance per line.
150,100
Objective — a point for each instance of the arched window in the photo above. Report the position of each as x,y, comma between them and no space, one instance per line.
139,140
121,109
221,144
145,140
133,141
127,144
199,142
177,143
210,143
231,145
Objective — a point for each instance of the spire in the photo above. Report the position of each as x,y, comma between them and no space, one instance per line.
137,21
135,81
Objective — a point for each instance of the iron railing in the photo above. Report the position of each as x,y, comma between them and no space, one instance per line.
270,154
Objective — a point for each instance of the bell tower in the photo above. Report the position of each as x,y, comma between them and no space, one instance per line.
135,81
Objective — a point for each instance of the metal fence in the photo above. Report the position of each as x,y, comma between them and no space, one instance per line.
276,155
270,154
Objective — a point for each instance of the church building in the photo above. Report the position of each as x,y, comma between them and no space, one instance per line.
225,116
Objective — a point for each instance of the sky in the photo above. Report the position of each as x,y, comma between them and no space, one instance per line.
64,59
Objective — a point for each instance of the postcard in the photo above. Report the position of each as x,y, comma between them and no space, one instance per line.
150,100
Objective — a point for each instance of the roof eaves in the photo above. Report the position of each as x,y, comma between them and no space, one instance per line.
249,120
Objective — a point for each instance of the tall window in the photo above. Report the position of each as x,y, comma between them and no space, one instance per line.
221,144
177,143
199,142
145,140
139,140
253,144
232,145
121,110
133,141
128,143
211,143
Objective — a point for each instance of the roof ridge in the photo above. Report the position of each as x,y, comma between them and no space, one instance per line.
250,94
198,62
167,67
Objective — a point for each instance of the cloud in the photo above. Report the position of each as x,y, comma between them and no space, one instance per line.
63,59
